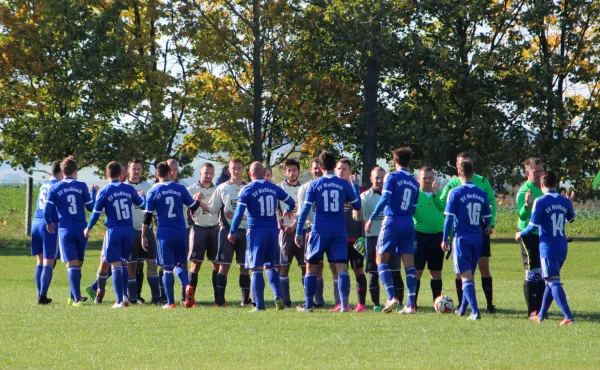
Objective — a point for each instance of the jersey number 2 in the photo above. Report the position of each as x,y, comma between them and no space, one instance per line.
171,203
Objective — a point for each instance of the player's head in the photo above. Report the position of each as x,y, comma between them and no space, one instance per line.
236,168
534,169
465,170
426,177
123,175
207,173
343,168
463,156
403,156
316,168
134,170
291,169
328,161
257,171
377,175
113,170
549,180
68,167
174,169
55,170
268,173
163,171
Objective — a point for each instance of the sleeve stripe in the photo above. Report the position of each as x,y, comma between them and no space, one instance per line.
88,202
288,197
150,212
95,211
532,224
49,201
573,219
354,201
387,191
486,216
449,214
242,204
309,203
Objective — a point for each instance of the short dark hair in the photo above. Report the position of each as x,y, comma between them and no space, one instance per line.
291,162
113,169
134,161
345,161
328,160
68,166
465,168
235,160
403,156
268,168
549,179
55,168
163,169
207,165
532,161
317,161
426,169
464,156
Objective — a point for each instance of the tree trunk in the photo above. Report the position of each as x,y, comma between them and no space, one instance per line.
371,87
257,149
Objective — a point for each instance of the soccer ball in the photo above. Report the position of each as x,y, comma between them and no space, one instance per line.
443,304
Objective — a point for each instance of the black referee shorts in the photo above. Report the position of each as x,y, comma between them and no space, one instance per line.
530,252
429,251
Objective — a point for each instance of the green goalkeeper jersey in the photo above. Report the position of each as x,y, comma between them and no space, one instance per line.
483,184
524,211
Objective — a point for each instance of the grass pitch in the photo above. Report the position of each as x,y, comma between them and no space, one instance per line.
58,336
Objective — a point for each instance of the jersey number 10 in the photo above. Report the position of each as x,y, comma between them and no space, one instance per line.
267,203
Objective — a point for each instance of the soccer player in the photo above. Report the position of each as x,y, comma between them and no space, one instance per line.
138,254
44,246
533,286
354,230
260,199
429,227
268,173
369,200
316,172
224,203
328,194
288,250
397,236
467,209
484,261
69,197
549,214
166,199
116,200
204,236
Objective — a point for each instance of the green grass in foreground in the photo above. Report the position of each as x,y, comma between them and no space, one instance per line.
205,337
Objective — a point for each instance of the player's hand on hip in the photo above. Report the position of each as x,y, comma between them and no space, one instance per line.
51,228
86,233
231,238
489,230
288,214
368,225
445,246
299,239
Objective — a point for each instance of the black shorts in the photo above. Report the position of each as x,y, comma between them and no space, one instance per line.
226,249
203,241
137,252
486,246
288,250
429,251
371,256
356,259
530,252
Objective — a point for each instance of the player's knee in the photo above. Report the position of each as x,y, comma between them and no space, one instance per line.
244,271
435,275
341,267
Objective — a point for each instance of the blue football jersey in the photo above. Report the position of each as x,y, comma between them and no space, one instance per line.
70,197
117,200
469,205
166,200
41,200
261,199
328,194
549,214
404,192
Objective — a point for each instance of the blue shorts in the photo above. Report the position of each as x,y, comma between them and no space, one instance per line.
397,236
171,253
72,244
42,242
334,244
262,247
466,250
550,267
117,244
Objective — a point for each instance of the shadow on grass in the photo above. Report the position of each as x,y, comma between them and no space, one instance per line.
23,247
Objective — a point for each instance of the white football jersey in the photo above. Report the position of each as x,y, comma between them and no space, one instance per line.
369,200
202,218
301,198
225,200
137,215
292,190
